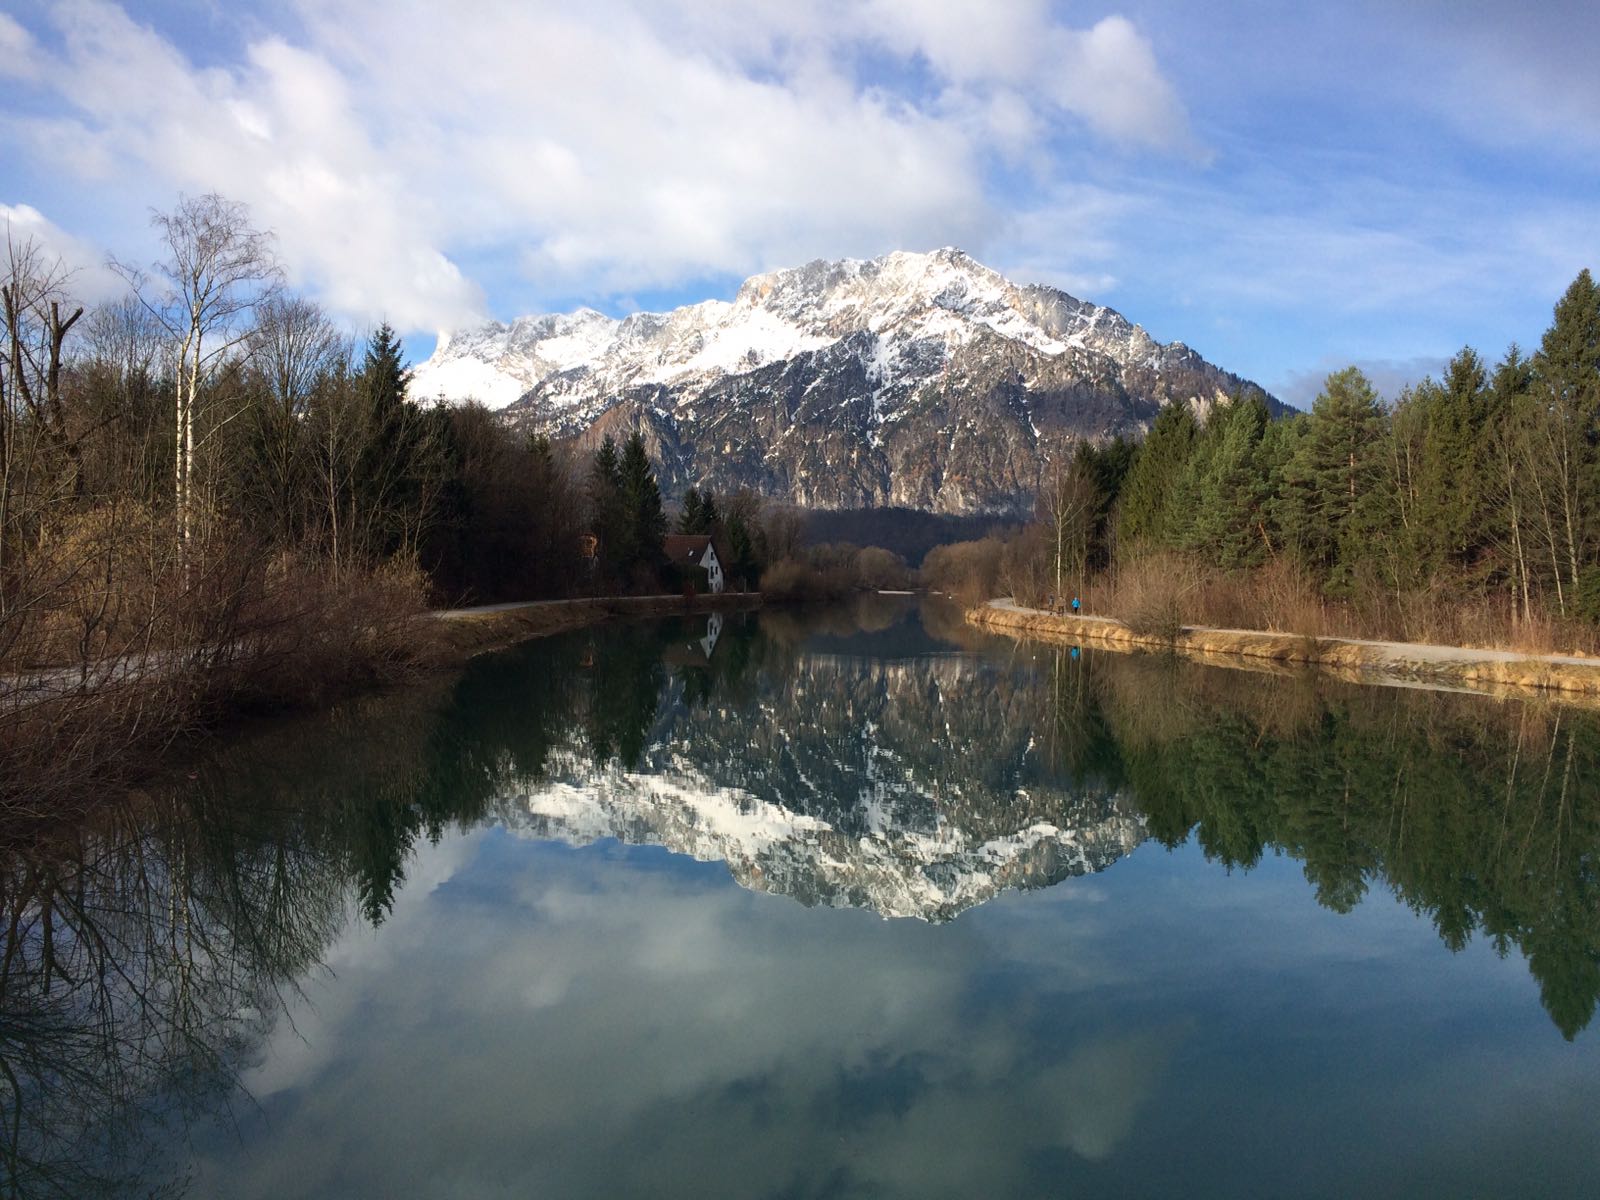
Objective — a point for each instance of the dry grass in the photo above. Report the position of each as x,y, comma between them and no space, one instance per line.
1357,661
114,647
1161,594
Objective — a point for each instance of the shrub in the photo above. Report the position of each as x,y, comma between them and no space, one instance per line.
1154,595
792,580
968,571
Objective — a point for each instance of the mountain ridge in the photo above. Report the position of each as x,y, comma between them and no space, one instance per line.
919,380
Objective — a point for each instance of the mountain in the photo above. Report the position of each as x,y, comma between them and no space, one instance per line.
912,788
924,381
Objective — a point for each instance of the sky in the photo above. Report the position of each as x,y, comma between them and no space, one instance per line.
1287,188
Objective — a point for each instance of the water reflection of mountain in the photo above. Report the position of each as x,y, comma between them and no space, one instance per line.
147,952
910,787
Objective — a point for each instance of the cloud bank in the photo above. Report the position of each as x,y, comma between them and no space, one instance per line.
618,147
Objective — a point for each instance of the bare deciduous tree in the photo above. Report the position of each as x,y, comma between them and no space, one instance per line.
1068,502
295,349
218,270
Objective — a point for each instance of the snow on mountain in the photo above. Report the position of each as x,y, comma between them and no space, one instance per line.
494,363
895,871
944,295
853,803
926,380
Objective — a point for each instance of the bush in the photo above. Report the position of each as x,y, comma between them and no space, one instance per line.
1154,595
877,568
792,580
968,571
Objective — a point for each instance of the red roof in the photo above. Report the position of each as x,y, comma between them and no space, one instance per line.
686,547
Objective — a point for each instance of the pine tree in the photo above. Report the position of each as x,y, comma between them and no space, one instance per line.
744,563
1107,466
1568,368
689,519
384,377
1229,522
1508,494
641,508
1447,483
1147,513
388,481
606,507
1332,503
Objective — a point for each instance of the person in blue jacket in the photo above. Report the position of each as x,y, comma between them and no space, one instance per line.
1076,607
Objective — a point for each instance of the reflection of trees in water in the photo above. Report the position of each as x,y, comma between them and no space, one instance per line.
142,960
1474,812
146,951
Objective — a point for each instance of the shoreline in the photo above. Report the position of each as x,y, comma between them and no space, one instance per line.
469,632
1458,668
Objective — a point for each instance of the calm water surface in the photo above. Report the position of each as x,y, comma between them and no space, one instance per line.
861,904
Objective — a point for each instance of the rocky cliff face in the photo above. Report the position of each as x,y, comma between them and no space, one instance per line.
916,380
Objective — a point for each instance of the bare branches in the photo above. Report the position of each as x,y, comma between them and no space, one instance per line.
218,270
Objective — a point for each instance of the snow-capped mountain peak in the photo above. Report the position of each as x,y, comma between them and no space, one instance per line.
862,353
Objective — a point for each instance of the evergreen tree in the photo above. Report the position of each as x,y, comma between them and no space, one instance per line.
1508,494
384,377
1568,367
1107,466
1231,492
642,513
699,513
689,519
1448,484
744,563
606,507
391,470
1332,504
1147,513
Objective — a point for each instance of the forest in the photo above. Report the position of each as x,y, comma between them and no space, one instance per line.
213,498
1465,512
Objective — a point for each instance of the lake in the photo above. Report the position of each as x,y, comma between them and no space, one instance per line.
852,903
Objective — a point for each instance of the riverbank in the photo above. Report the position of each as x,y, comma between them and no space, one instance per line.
1350,658
71,734
470,631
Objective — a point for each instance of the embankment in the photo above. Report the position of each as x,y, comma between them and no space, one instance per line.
469,631
1351,658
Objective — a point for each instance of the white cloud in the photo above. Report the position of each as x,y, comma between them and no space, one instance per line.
623,146
1110,76
1389,377
86,276
18,53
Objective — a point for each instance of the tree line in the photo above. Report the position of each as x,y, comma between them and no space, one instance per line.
1477,490
211,494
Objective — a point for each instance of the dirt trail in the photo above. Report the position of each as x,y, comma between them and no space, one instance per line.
1414,663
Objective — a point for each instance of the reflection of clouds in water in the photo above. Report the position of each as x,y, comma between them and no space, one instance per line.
1098,1090
303,1045
535,1029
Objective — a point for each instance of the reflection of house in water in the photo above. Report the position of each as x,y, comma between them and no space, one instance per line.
696,653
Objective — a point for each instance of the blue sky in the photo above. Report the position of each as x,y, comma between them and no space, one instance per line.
1287,188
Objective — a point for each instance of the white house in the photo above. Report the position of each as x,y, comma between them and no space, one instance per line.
696,550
